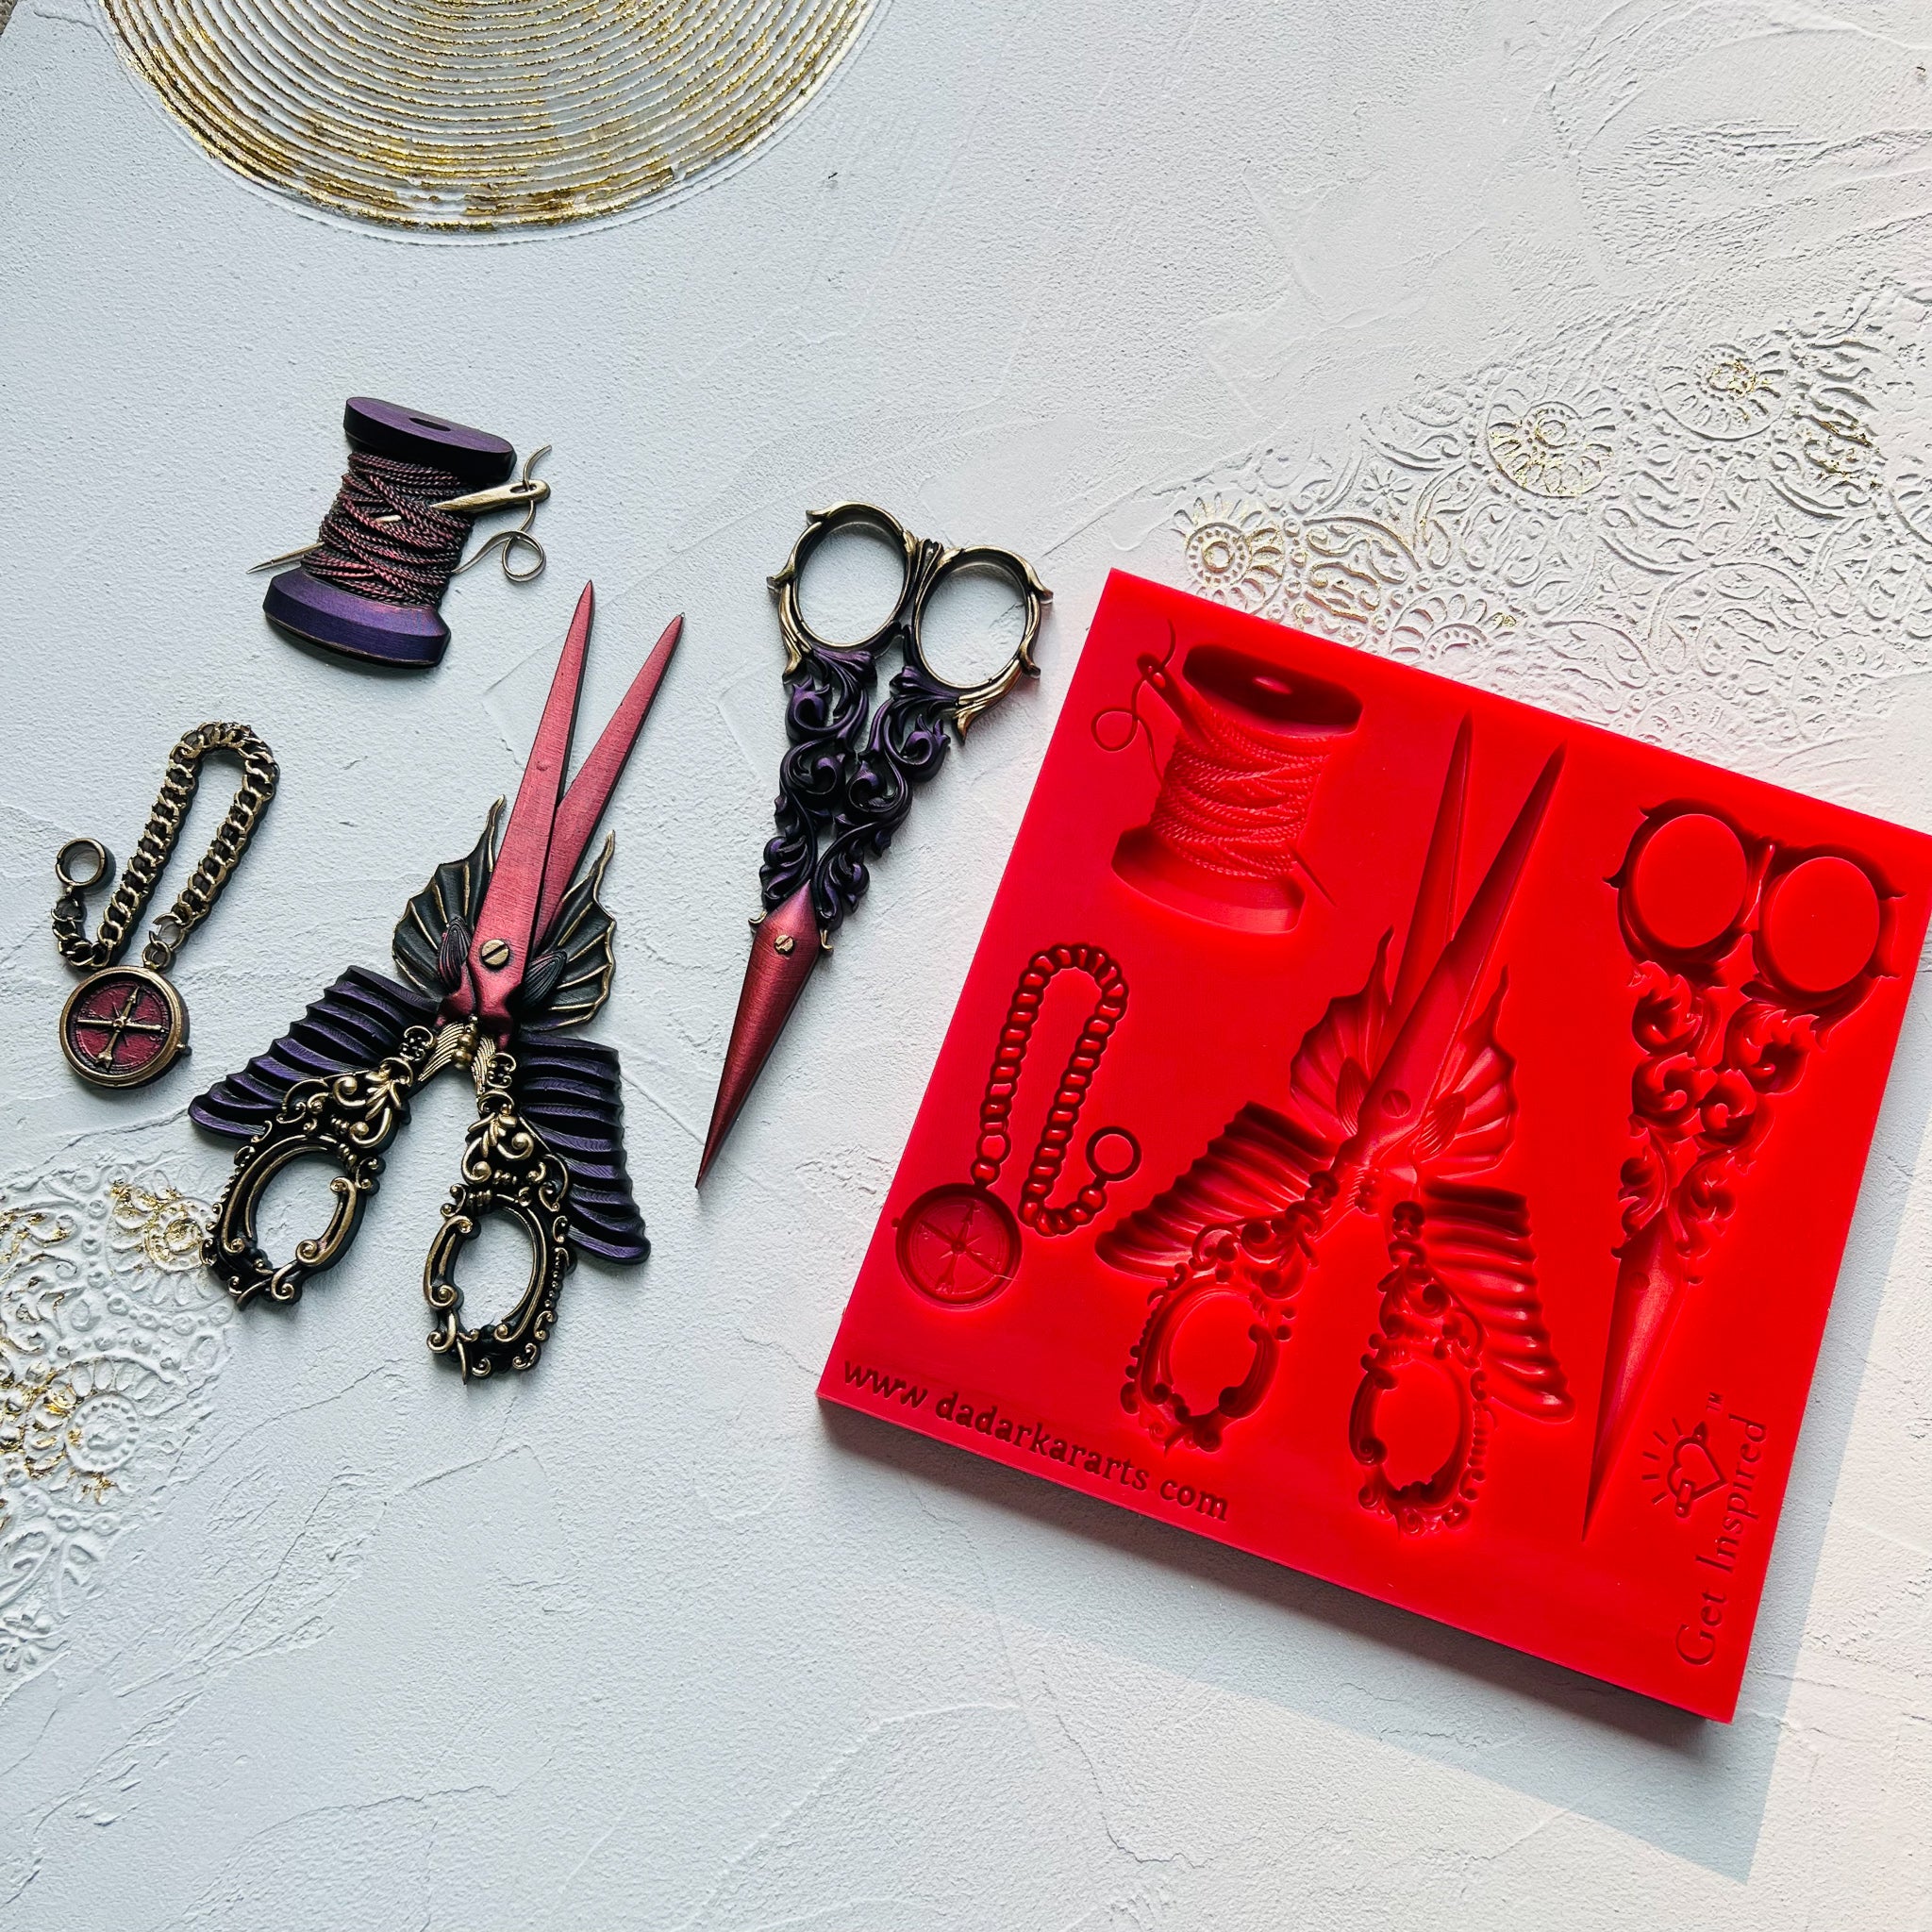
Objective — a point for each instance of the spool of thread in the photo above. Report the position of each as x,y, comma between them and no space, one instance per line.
1223,841
370,587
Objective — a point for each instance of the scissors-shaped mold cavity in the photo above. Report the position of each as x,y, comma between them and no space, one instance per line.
1397,1097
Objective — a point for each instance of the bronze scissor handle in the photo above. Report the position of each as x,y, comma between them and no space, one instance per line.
507,1168
924,565
847,783
348,1118
801,641
943,563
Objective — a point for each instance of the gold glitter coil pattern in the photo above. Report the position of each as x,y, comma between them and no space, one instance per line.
472,115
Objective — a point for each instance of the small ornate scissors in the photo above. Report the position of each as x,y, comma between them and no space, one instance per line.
842,790
502,952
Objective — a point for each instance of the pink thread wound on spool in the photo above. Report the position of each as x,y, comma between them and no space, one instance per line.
1223,843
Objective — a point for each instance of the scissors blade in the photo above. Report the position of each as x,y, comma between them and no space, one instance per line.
1434,919
507,920
590,791
1652,1276
1419,1055
784,949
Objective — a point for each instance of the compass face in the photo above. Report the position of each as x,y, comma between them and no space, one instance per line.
958,1246
123,1026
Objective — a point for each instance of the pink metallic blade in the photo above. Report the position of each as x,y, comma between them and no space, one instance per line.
1649,1286
508,917
774,977
1434,918
589,790
1413,1066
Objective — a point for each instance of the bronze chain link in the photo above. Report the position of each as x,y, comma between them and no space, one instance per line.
260,774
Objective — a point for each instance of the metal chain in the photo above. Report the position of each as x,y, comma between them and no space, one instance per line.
143,871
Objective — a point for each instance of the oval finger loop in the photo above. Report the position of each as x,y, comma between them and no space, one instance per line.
508,1169
349,1120
799,637
971,698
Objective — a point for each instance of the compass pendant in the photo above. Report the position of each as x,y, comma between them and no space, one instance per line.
958,1244
123,1026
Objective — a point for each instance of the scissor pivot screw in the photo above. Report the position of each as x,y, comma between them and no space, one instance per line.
496,953
783,944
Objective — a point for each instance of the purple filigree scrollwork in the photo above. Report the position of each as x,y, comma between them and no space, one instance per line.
906,746
827,700
845,784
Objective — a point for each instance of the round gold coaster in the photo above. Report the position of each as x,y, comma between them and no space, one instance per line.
468,115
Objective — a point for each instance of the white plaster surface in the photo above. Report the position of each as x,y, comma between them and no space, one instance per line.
645,1640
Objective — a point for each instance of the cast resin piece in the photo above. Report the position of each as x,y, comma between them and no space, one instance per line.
1484,1217
846,781
502,953
361,592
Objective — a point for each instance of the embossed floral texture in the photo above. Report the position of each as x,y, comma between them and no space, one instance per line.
1715,543
109,1335
1720,391
1446,630
1554,448
1234,548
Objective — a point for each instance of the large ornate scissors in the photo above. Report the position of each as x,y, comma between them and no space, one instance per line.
500,954
845,784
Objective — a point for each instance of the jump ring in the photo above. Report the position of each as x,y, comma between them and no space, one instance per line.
102,866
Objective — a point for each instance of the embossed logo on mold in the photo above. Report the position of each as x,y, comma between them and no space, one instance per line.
1700,1634
1684,1471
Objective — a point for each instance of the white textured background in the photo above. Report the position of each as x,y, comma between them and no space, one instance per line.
644,1640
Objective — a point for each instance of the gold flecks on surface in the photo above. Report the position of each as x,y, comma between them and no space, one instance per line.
1554,449
110,1337
1233,550
486,114
168,1228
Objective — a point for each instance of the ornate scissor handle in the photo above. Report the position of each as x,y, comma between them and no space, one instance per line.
846,788
801,641
924,565
349,1118
970,700
507,1169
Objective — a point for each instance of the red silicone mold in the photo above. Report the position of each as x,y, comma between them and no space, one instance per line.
1465,1111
